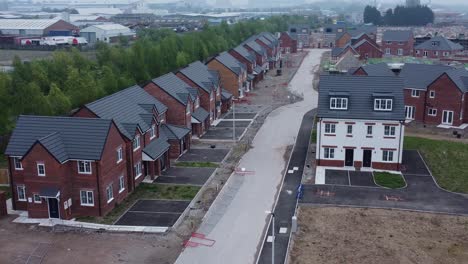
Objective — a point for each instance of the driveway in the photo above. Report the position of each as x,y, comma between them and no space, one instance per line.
163,213
204,155
186,176
350,178
422,193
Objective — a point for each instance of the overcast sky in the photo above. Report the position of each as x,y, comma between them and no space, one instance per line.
449,2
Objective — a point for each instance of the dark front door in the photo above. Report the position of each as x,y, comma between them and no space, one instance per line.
53,208
367,158
349,158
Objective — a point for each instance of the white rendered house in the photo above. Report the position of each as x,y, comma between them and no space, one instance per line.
360,122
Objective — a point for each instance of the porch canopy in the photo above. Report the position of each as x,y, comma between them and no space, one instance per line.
155,149
49,192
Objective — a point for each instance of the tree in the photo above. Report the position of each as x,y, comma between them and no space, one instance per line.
372,15
388,17
181,59
58,101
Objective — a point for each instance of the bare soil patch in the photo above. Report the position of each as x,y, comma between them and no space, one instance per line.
352,235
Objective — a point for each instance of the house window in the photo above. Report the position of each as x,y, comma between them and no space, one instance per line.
84,167
415,93
21,193
121,184
153,131
119,155
41,169
400,52
446,53
110,193
436,53
369,130
387,51
389,42
417,51
425,53
349,129
432,112
18,165
389,131
37,198
138,170
329,153
339,103
330,128
383,104
136,143
387,155
87,198
432,94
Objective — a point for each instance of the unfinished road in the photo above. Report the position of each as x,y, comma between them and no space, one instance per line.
237,218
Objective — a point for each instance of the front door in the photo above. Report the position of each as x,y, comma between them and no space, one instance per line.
349,158
162,161
53,208
409,111
367,158
447,117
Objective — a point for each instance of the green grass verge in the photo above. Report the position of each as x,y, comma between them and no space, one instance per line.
7,190
196,164
313,136
145,191
447,160
389,180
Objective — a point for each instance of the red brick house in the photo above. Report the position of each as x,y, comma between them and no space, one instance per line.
398,43
379,69
183,102
287,43
138,117
199,76
233,74
260,55
66,167
248,58
270,47
366,47
437,48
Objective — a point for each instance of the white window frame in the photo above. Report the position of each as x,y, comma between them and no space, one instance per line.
425,53
370,129
331,128
388,155
16,161
329,153
400,52
432,94
23,188
121,184
417,52
339,103
383,104
85,171
432,111
436,53
119,155
37,196
138,170
349,129
415,93
387,51
110,193
389,131
136,143
38,165
446,53
89,196
153,131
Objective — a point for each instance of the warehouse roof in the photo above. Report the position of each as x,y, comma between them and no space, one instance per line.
27,23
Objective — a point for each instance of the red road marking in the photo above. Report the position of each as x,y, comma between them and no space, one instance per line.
323,193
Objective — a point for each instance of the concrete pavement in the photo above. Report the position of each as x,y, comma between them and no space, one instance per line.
237,218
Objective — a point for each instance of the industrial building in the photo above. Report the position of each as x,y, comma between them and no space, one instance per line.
37,27
107,33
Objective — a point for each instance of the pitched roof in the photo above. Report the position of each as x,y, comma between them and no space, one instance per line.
361,91
419,76
225,94
136,102
230,62
270,37
64,137
379,69
256,47
156,148
362,41
460,78
200,114
246,54
175,87
441,43
174,132
201,75
397,35
40,24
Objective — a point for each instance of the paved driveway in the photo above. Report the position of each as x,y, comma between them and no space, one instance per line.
204,155
163,213
349,178
422,193
186,176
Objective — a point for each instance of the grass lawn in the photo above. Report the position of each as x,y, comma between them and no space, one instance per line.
145,191
6,189
447,160
389,180
196,164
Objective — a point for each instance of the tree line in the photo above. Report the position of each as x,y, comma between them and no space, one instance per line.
399,16
68,80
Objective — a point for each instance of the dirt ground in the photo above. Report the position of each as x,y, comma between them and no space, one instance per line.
352,235
20,242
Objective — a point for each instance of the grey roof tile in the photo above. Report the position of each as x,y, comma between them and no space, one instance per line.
379,69
65,137
156,148
200,114
397,35
419,76
230,62
443,44
174,132
225,94
460,78
174,86
200,74
361,91
255,47
245,53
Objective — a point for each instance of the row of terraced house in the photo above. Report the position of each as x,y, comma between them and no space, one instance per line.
86,163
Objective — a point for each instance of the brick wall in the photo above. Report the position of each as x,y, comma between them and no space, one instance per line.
343,40
287,42
407,47
432,54
370,50
417,102
229,79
